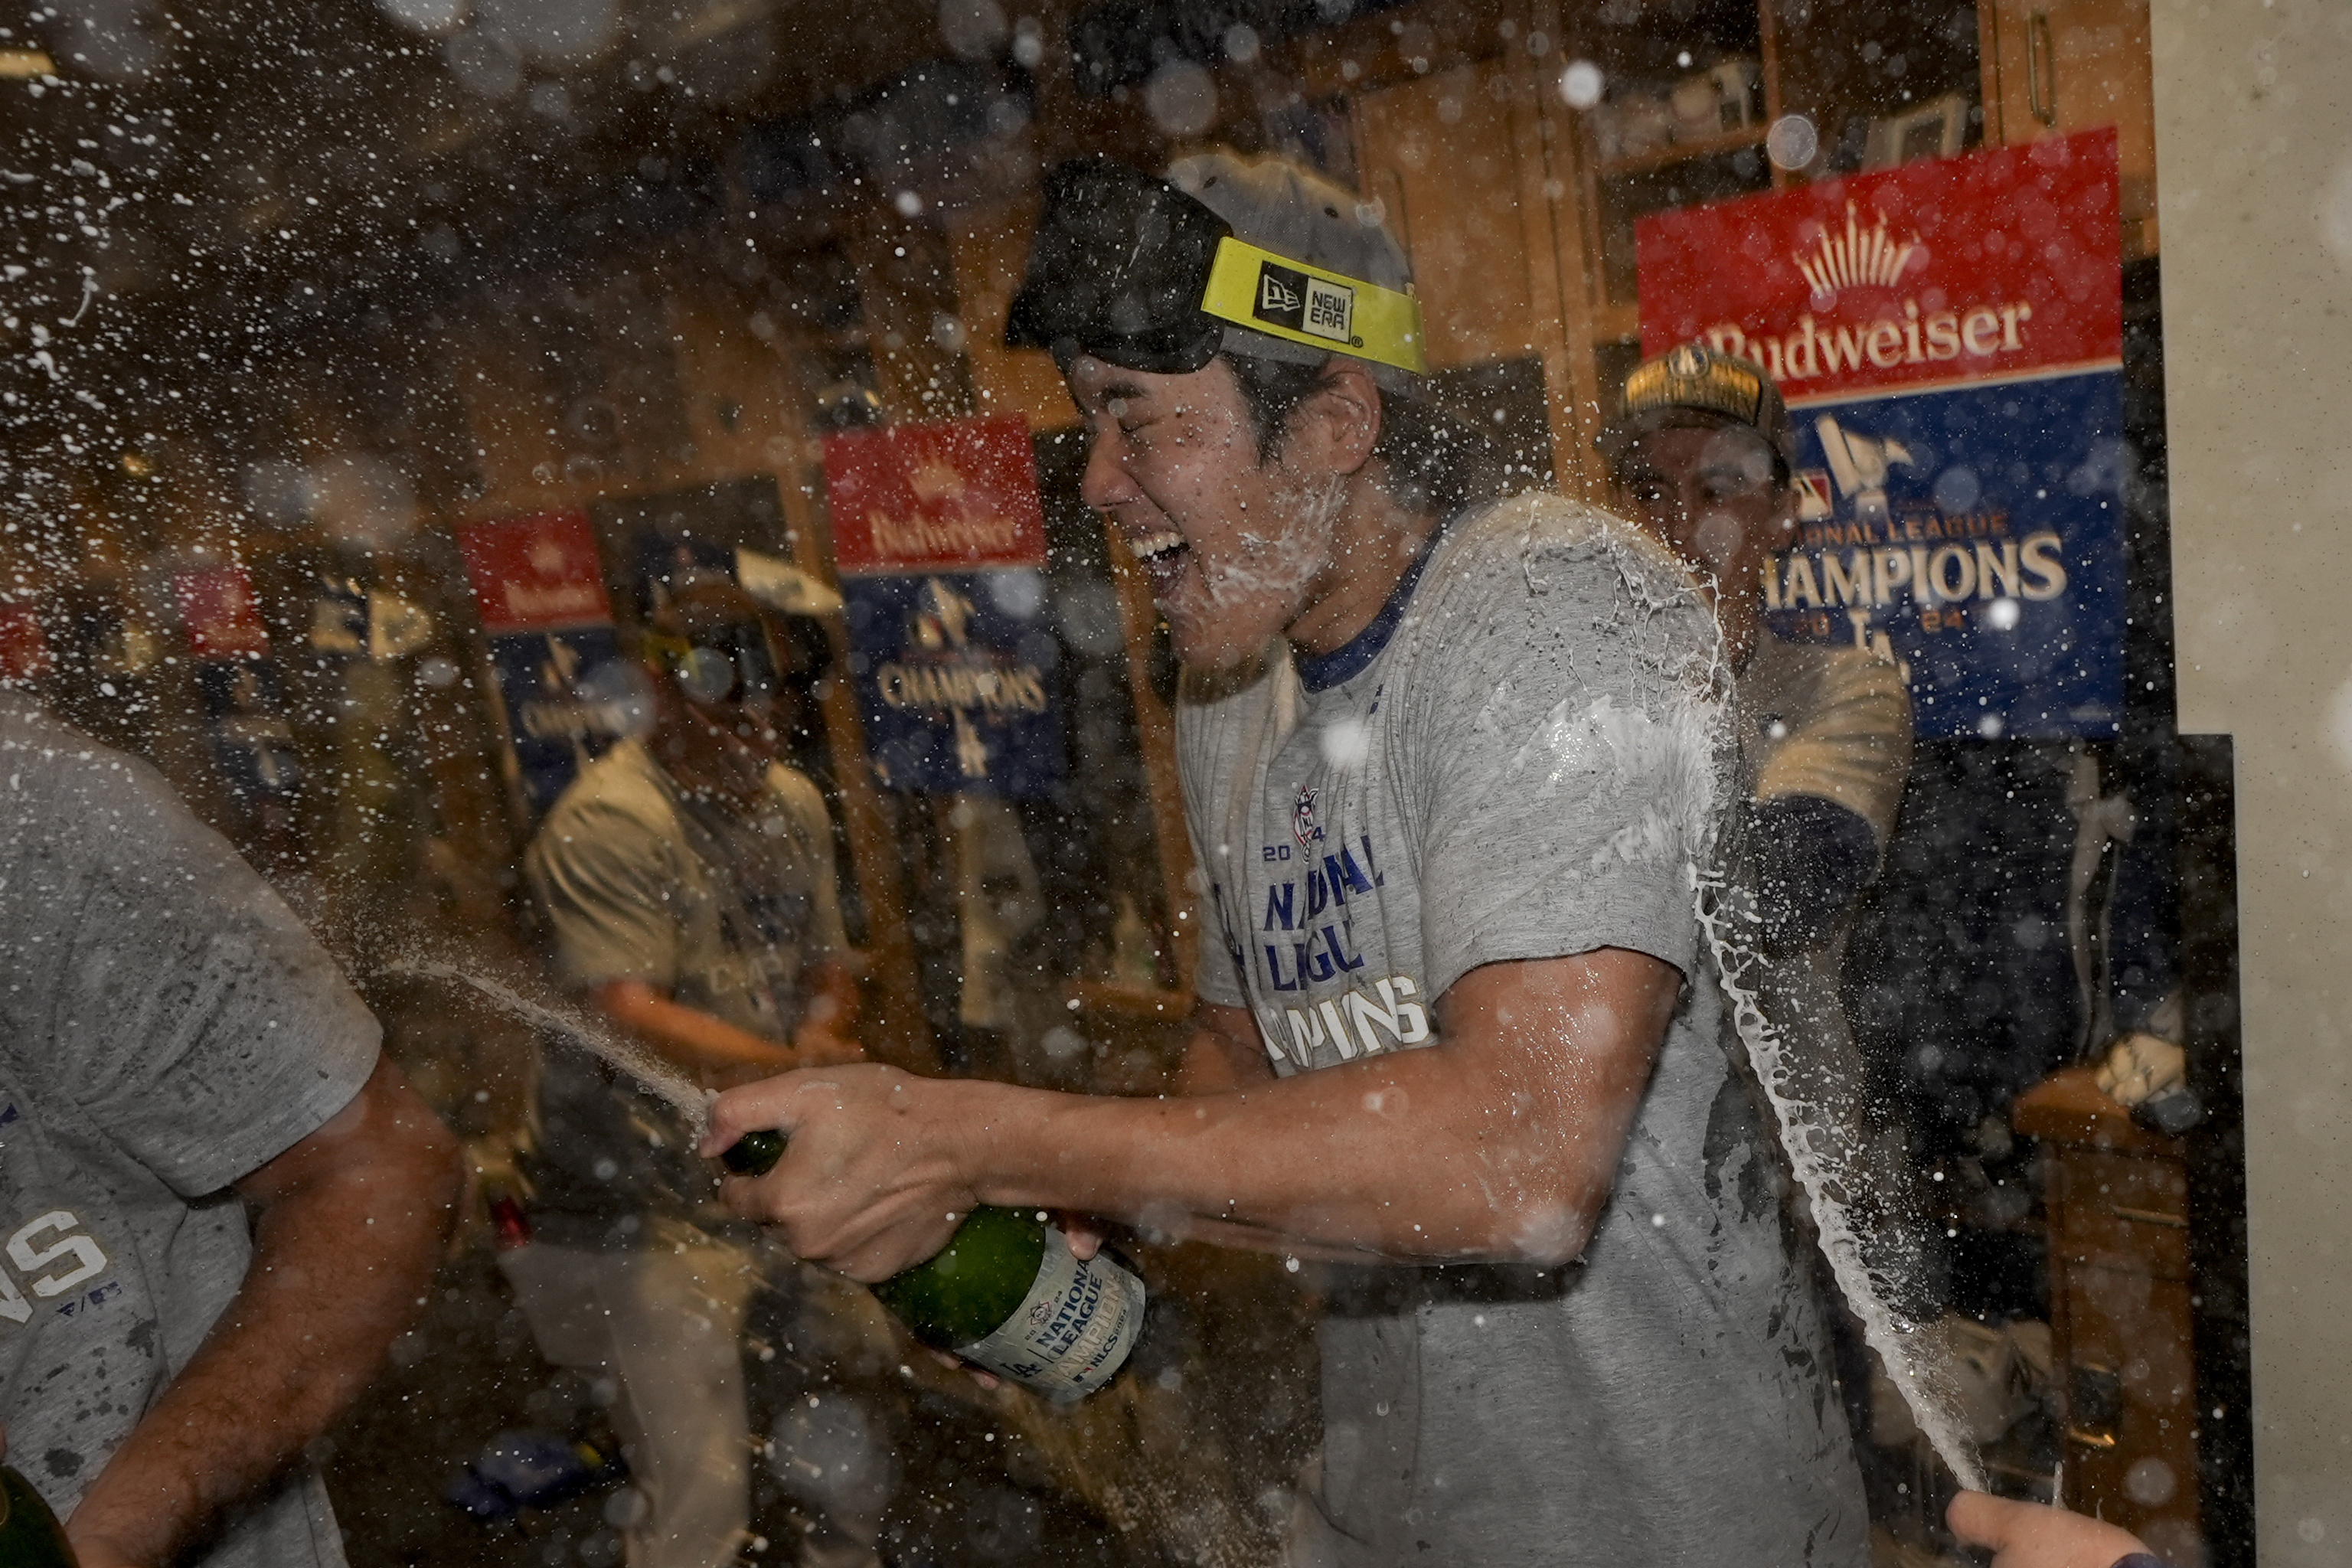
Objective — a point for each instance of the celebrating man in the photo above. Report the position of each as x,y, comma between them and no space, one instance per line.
1447,768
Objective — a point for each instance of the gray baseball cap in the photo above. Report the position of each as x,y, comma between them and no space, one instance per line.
1277,205
1254,256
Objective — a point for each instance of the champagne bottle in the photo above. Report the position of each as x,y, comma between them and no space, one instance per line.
30,1535
1005,1293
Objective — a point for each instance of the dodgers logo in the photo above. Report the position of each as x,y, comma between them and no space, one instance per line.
1303,825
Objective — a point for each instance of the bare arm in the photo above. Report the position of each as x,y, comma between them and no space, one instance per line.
1224,1052
703,1043
1499,1143
349,1225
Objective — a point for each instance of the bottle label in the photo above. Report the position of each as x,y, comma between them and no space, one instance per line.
1073,1330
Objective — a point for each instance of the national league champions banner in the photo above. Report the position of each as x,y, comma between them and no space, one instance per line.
562,677
939,535
1948,335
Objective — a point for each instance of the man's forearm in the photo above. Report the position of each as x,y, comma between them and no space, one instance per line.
349,1228
1500,1143
1384,1158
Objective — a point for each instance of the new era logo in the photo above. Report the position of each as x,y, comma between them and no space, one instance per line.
1288,298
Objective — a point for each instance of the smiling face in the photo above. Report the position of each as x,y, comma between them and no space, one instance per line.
1239,548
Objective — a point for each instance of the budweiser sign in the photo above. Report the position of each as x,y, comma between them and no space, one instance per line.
950,496
1940,273
535,573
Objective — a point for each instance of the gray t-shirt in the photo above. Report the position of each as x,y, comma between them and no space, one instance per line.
717,910
166,1027
1521,761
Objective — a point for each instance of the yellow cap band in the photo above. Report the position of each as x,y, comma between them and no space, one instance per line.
1272,294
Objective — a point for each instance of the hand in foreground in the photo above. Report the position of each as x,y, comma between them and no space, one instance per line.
2030,1535
2140,1067
869,1183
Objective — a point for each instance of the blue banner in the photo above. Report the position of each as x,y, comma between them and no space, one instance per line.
960,681
568,696
1975,536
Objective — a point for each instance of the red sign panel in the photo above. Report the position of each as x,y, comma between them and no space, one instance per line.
1995,265
24,651
535,573
218,608
935,497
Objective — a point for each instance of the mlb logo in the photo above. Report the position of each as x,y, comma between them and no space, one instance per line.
1303,825
1811,488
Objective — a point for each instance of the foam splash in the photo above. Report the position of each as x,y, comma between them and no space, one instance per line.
576,1028
1688,748
1824,1167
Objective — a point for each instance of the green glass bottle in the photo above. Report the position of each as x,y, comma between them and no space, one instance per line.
1005,1293
30,1535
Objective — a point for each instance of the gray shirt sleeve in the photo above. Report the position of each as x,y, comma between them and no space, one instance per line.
171,995
1569,756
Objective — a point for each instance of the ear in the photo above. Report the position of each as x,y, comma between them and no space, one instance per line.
1339,423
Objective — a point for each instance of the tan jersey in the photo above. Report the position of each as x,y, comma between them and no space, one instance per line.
1822,720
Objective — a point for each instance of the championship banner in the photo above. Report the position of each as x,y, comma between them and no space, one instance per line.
236,680
1948,335
563,682
939,535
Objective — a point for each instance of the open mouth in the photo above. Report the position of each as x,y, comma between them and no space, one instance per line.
1162,557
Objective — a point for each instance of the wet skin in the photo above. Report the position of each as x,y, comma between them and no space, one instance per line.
1709,493
1500,1141
1240,548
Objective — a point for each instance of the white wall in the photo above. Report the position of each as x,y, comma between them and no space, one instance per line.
2254,175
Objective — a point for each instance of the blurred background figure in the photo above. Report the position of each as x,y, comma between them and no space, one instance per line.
688,888
175,1050
1698,456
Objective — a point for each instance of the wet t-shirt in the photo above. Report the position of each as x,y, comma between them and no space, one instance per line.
1519,761
166,1027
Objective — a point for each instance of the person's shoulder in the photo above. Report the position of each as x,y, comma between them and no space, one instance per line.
618,794
54,774
797,790
1537,547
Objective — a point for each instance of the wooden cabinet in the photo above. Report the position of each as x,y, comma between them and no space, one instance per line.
2055,66
2120,1308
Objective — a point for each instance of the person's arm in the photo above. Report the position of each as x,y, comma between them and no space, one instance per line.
1224,1052
1815,858
350,1224
1500,1142
704,1043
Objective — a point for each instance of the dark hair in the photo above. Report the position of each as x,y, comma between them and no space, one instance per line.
1435,463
